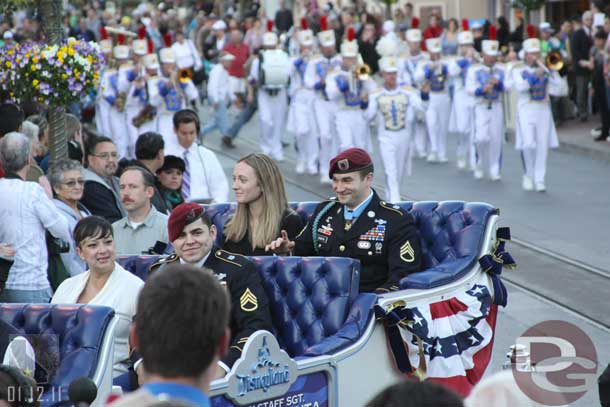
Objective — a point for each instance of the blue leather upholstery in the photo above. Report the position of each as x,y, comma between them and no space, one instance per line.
315,305
451,233
75,331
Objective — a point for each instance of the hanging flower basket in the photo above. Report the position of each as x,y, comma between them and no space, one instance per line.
52,75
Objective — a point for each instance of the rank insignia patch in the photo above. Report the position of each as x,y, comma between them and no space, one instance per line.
248,301
407,254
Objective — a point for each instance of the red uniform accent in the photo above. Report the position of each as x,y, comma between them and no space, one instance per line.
141,32
304,25
167,40
150,46
104,33
323,23
269,25
415,22
531,31
465,26
121,38
492,32
351,34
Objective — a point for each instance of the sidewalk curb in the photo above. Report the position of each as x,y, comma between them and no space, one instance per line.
566,147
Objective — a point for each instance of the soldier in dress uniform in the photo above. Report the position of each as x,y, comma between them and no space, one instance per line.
395,108
136,95
117,96
535,130
486,82
301,120
172,95
102,104
406,76
358,224
462,108
324,109
436,72
350,92
270,77
192,234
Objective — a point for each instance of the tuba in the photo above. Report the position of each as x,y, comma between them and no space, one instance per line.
554,61
185,75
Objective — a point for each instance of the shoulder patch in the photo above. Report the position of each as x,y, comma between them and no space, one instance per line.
164,260
385,205
229,257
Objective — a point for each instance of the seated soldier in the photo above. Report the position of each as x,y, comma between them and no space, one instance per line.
358,224
192,234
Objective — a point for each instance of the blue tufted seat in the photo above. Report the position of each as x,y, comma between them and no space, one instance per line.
315,305
451,232
77,332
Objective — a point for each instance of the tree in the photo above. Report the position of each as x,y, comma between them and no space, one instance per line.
528,6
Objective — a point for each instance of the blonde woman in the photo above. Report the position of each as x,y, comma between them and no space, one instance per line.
262,207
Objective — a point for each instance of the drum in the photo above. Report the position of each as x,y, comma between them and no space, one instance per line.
275,69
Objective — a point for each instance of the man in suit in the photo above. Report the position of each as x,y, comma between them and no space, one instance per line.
358,224
582,41
192,235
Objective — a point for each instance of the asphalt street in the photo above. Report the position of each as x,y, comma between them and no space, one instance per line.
571,219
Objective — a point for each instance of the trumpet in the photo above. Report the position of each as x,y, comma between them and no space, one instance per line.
363,71
185,75
554,61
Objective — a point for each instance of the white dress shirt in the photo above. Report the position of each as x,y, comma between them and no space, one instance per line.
207,178
120,292
219,90
25,213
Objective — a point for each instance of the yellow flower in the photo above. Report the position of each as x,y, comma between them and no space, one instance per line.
33,68
11,51
71,52
90,59
64,76
35,60
8,64
35,82
40,99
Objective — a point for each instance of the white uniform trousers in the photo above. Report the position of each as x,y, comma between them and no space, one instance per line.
329,146
133,131
437,119
118,129
102,117
537,134
489,136
301,122
165,127
352,129
395,148
272,116
460,123
420,132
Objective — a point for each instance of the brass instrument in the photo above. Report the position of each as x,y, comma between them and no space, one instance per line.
554,61
145,115
363,71
359,74
120,101
185,75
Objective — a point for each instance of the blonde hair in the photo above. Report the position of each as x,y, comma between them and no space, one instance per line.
271,182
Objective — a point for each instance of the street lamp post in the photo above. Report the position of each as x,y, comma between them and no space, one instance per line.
52,13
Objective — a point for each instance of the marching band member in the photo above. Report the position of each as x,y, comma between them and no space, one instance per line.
135,83
270,76
117,96
487,82
436,72
145,119
301,119
173,94
406,72
535,130
460,121
102,104
324,110
219,96
395,108
349,89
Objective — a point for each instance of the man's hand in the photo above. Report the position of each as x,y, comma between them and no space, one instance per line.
6,250
281,245
488,87
426,87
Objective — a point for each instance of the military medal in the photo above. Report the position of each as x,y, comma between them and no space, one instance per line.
348,224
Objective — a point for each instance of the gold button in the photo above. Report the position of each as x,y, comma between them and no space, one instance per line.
218,253
319,245
341,248
370,253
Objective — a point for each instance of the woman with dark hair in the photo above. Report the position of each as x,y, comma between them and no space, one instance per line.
503,34
262,207
170,178
104,283
449,40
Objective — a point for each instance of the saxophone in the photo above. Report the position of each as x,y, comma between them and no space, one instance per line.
145,115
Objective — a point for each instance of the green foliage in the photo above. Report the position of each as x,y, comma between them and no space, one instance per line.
528,5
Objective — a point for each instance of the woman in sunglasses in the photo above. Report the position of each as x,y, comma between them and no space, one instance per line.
67,181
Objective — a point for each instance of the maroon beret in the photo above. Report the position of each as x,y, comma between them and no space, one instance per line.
350,160
182,215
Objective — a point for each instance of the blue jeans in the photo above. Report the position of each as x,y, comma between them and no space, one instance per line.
28,296
242,118
219,120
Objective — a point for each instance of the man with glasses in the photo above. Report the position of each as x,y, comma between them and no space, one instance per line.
102,196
